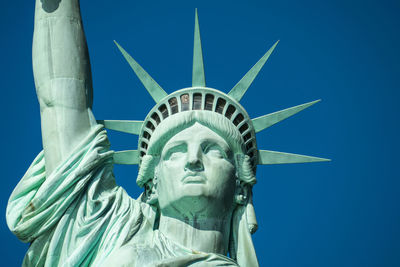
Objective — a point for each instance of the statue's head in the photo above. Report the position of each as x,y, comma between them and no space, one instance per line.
196,162
197,149
197,146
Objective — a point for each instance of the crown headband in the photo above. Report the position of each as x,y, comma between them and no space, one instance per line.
200,97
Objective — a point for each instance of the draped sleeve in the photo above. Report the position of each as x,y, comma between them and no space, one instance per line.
77,215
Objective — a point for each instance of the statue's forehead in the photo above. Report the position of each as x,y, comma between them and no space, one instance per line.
197,134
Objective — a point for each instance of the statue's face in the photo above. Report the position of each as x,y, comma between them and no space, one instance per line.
196,174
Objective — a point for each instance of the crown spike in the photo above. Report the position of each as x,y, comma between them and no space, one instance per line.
154,89
132,127
268,120
198,77
241,87
127,157
267,157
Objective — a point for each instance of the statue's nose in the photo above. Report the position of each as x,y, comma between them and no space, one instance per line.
194,159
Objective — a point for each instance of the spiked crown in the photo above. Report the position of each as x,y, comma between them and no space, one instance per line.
200,97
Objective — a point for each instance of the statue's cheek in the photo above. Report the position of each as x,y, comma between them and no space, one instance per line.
174,163
222,167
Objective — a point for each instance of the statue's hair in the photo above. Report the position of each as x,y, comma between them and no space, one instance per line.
177,123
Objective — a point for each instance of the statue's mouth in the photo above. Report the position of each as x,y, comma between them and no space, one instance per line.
194,178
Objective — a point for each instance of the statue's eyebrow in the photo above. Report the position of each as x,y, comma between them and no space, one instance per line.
173,146
223,145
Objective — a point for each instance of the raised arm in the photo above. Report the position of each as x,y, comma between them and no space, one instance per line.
63,80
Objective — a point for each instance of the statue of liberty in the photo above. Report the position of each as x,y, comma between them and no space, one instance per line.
197,157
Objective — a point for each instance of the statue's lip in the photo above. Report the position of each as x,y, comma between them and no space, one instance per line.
194,178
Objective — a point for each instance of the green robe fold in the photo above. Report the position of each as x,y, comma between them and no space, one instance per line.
78,216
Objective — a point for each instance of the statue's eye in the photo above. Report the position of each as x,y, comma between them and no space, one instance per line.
214,150
175,152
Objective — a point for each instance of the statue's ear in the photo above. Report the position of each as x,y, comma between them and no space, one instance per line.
245,178
146,169
241,193
244,170
150,192
147,178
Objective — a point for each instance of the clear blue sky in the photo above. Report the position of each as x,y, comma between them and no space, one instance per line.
342,213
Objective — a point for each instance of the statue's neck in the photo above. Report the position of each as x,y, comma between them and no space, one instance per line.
205,235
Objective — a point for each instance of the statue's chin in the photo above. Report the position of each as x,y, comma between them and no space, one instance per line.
194,203
195,190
